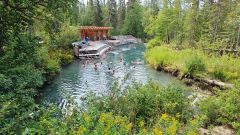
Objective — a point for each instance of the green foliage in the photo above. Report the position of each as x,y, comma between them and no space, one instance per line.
216,23
133,21
118,112
144,102
220,75
5,82
167,25
222,109
153,42
25,62
194,65
104,123
225,68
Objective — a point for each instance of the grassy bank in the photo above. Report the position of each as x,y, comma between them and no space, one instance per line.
195,62
220,109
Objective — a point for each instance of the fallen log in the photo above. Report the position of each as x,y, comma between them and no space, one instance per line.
219,84
213,83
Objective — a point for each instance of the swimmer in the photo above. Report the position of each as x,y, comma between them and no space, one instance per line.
87,62
121,59
95,66
113,71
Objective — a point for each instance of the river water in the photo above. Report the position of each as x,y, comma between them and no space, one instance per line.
78,79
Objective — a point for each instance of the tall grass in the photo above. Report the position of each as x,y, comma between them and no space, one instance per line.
195,62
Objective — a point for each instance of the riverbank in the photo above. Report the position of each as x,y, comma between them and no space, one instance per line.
195,66
206,71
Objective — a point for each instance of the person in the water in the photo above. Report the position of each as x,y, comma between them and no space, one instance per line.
121,60
95,66
113,71
87,62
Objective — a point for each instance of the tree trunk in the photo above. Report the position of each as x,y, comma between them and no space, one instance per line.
238,38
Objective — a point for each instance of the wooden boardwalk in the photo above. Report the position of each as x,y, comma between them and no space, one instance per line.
97,48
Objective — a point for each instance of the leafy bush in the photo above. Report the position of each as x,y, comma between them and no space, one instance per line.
153,42
66,58
144,102
195,65
67,35
5,82
223,109
105,123
166,125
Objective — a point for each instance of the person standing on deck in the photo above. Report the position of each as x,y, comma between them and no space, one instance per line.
86,40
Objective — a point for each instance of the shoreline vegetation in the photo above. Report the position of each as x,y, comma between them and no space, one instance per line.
34,38
209,72
192,65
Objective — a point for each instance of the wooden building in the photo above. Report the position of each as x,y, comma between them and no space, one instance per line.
95,33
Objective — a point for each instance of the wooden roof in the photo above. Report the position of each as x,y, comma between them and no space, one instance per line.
94,28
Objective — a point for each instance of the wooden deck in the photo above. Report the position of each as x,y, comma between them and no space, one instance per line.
97,48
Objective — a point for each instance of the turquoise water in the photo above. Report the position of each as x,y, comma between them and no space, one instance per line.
78,79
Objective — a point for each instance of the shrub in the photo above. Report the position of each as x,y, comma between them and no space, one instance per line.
5,82
144,102
66,58
166,125
67,35
106,123
195,65
223,109
153,43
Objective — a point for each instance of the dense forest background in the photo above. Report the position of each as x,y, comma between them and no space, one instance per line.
34,43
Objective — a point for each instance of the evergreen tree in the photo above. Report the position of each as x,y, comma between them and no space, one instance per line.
161,26
154,6
90,13
112,13
121,13
191,23
98,14
133,21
